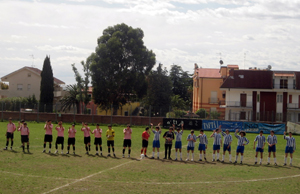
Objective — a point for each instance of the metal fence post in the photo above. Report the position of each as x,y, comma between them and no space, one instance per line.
20,111
93,113
111,112
75,107
2,111
38,110
56,112
130,114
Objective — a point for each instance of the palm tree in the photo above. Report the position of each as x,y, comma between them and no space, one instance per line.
71,99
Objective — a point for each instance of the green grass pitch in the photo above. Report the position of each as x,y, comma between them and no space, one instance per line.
55,173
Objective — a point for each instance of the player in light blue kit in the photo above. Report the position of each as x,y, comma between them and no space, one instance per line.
227,145
290,147
178,143
217,143
261,140
242,141
156,143
203,141
191,145
272,141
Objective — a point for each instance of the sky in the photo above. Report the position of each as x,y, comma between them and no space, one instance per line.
254,33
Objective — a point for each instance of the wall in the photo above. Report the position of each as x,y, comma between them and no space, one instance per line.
121,111
42,117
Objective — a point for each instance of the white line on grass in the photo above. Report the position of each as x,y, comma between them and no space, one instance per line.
204,182
36,176
84,178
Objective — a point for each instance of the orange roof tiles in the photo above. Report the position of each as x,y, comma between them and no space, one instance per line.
209,73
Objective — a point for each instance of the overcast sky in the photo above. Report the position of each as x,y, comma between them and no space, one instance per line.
247,33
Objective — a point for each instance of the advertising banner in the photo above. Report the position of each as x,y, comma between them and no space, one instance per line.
210,125
252,127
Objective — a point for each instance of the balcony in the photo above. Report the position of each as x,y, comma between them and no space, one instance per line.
284,86
293,106
238,104
213,100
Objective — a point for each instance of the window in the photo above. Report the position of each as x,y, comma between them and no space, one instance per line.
19,86
279,98
28,87
29,75
224,94
90,96
258,97
283,83
298,117
290,98
243,115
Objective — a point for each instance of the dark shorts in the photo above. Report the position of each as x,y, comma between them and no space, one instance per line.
190,148
111,143
127,143
225,148
289,150
201,147
178,145
156,144
259,150
272,149
98,141
71,141
60,140
145,143
87,140
24,138
240,149
48,138
9,135
216,147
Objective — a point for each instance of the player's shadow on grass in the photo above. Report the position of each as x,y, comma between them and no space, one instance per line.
91,155
29,153
75,155
14,151
134,159
65,155
51,154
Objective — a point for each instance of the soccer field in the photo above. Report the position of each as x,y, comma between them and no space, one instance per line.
39,172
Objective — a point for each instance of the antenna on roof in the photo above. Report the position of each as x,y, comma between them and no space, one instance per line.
245,53
32,60
221,61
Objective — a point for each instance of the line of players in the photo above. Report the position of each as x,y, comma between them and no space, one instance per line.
168,136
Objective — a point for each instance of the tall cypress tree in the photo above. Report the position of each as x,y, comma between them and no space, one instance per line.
47,88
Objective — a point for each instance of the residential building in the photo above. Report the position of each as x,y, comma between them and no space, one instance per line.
262,95
206,88
26,82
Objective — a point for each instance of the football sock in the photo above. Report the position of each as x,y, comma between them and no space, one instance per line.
175,154
285,160
108,150
153,154
12,143
86,148
27,147
218,155
73,148
44,145
255,159
113,149
236,157
101,148
50,145
97,149
187,155
123,151
291,160
62,146
89,147
157,154
23,148
56,147
145,151
180,155
129,151
275,160
204,155
200,156
242,158
223,157
193,156
213,156
268,159
7,143
260,160
142,150
230,157
68,148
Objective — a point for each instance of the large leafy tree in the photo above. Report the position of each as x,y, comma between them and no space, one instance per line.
159,91
119,66
47,88
181,82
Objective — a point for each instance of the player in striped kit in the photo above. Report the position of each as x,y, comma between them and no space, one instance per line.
217,143
203,141
290,147
261,140
191,145
71,139
178,143
156,143
227,144
24,136
272,141
60,137
11,128
242,141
